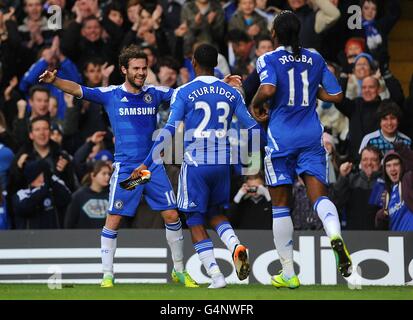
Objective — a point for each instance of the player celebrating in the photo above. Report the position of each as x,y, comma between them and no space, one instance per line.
132,109
290,78
206,105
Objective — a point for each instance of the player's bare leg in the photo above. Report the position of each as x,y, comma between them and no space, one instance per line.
175,239
239,252
282,227
108,241
205,250
327,212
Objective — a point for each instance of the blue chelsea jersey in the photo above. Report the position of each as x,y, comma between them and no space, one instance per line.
132,117
206,106
293,118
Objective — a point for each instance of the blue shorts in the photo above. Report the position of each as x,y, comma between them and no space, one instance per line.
158,192
282,169
203,190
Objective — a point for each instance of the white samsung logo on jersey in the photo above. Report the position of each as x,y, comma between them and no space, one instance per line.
289,58
264,75
137,111
124,99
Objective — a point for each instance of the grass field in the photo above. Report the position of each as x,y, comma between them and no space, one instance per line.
177,292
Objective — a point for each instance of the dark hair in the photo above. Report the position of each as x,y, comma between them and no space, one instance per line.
149,5
387,107
373,149
237,35
114,6
263,38
206,56
94,170
38,87
40,118
96,61
362,2
89,18
130,52
287,26
169,62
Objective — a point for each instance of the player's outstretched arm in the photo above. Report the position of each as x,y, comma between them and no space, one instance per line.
65,85
323,95
258,107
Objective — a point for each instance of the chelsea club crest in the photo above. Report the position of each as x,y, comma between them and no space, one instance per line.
147,98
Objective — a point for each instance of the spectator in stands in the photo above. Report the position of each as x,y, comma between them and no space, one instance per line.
52,58
313,22
8,102
89,205
147,30
383,139
364,66
353,47
252,82
6,138
6,159
362,111
248,20
205,22
351,193
41,203
41,148
83,40
241,45
34,30
85,156
39,102
332,157
397,212
252,205
375,31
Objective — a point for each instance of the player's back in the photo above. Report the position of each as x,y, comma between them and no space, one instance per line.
293,118
209,105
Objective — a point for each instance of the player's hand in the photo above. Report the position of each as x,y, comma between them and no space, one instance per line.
138,171
48,76
261,115
345,168
233,80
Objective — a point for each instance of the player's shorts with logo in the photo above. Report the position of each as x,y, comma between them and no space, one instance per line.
202,190
158,192
282,168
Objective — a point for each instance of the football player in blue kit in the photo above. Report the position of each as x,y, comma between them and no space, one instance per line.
132,108
291,79
206,106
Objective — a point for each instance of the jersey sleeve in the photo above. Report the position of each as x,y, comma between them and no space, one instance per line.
100,95
177,113
329,81
244,117
165,93
266,71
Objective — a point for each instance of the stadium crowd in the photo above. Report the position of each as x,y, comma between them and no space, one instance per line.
56,152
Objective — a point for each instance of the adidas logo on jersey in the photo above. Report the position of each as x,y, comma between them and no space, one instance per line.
192,205
281,177
124,99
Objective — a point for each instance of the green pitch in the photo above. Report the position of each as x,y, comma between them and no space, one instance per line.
177,292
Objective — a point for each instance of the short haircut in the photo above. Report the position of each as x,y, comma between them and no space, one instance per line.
96,61
237,36
37,119
263,38
373,149
362,2
89,18
130,52
37,88
170,62
206,56
132,3
387,107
